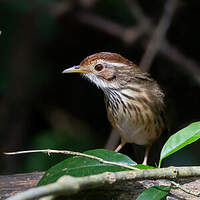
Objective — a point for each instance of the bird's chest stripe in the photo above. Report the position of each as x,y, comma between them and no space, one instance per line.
113,101
128,104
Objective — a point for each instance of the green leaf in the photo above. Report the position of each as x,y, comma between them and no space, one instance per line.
81,166
141,166
180,139
155,193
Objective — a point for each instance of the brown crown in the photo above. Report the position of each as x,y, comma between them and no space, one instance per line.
107,56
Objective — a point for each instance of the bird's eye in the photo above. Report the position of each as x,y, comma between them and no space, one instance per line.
98,67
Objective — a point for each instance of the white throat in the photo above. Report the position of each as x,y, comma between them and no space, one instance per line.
99,82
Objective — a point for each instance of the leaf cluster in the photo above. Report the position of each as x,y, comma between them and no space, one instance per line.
78,166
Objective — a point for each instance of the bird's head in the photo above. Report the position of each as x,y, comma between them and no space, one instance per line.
106,70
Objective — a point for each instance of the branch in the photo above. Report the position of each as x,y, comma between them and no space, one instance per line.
128,34
68,185
184,63
158,35
104,24
48,151
196,194
137,13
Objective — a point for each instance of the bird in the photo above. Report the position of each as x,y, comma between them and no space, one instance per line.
135,102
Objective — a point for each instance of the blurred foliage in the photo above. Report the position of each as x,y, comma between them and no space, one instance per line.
55,140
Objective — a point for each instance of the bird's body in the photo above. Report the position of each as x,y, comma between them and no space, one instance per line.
135,121
134,101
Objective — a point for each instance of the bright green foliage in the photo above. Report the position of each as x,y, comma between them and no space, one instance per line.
154,193
81,166
141,166
180,139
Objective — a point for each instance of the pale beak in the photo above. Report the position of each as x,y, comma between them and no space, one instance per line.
75,69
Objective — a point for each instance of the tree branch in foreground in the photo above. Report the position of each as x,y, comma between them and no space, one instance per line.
68,185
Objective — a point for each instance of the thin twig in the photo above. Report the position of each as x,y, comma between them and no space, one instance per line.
159,34
185,63
196,194
128,34
48,151
137,13
99,22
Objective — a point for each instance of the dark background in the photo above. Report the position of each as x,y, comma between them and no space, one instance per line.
42,108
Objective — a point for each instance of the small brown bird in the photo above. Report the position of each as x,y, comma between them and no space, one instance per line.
134,101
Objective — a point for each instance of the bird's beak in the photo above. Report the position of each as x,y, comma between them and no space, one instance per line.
75,69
